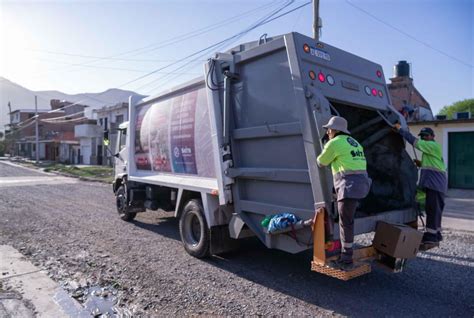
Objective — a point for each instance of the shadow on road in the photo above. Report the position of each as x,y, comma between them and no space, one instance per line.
166,226
378,293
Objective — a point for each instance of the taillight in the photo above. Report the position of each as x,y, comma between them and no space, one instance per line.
321,77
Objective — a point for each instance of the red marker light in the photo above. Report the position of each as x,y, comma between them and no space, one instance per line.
374,92
380,93
379,73
312,75
306,48
321,77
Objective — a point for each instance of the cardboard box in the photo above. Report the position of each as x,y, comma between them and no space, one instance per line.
397,240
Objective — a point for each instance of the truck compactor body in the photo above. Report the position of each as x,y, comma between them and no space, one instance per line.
240,143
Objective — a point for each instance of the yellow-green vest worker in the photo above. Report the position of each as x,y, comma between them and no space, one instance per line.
344,154
351,182
347,159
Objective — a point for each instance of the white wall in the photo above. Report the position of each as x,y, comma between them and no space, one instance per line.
86,151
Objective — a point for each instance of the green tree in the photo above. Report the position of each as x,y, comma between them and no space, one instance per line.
3,145
466,105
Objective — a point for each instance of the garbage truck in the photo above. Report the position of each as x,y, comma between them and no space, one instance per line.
238,144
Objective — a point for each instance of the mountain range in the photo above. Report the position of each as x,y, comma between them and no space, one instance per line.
23,98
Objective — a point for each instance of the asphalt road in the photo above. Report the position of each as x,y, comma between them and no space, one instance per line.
71,229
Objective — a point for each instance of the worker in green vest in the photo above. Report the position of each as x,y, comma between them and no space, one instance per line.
351,181
433,179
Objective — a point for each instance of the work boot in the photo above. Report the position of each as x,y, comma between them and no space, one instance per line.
439,236
429,238
341,265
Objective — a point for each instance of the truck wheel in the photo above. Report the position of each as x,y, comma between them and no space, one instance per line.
194,231
121,199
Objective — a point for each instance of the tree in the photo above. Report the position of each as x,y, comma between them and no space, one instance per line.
3,146
466,105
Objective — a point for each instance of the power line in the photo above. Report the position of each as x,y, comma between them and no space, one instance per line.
64,121
263,21
408,35
61,117
211,46
99,66
223,42
100,57
173,40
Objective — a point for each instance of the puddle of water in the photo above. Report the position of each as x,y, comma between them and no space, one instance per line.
100,301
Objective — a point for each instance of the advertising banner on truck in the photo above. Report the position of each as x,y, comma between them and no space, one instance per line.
174,136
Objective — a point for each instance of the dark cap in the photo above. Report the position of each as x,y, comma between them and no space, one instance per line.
426,131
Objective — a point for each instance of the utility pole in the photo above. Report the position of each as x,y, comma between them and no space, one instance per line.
10,113
37,132
317,23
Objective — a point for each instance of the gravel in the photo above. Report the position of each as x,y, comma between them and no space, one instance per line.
73,231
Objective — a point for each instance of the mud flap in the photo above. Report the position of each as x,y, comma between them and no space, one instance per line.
221,242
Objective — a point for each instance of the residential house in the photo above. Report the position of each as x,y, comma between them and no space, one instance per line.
91,136
55,130
405,97
456,137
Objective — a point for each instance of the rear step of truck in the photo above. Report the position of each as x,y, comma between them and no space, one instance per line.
363,257
320,262
361,267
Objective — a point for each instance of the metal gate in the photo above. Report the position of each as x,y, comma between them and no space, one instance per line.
461,160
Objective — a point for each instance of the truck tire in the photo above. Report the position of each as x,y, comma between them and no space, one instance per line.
123,209
193,229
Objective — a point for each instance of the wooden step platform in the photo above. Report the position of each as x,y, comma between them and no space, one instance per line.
360,268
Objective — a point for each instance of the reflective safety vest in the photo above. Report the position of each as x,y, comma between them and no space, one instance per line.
432,157
344,154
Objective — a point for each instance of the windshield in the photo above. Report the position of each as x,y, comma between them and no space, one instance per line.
122,139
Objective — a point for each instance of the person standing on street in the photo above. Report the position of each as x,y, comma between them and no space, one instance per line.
351,181
433,179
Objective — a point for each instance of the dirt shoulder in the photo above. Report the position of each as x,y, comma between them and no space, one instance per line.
87,173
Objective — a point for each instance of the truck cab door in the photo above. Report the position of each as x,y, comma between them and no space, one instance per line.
121,153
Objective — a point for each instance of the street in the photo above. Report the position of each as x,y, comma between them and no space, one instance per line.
71,229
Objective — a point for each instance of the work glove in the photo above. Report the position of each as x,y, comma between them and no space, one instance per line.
417,162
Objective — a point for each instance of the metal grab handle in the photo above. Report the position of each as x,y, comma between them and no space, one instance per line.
385,118
334,109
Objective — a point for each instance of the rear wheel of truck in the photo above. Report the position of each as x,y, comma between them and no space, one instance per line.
193,229
123,209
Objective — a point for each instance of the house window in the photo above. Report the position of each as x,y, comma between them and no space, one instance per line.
105,123
119,119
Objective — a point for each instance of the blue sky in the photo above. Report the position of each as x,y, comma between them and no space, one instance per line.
33,33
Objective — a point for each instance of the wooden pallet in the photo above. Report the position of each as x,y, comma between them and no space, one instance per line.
358,270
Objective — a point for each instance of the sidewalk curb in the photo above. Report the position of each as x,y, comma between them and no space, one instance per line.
34,285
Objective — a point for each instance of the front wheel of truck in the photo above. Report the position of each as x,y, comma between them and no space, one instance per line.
193,229
123,209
